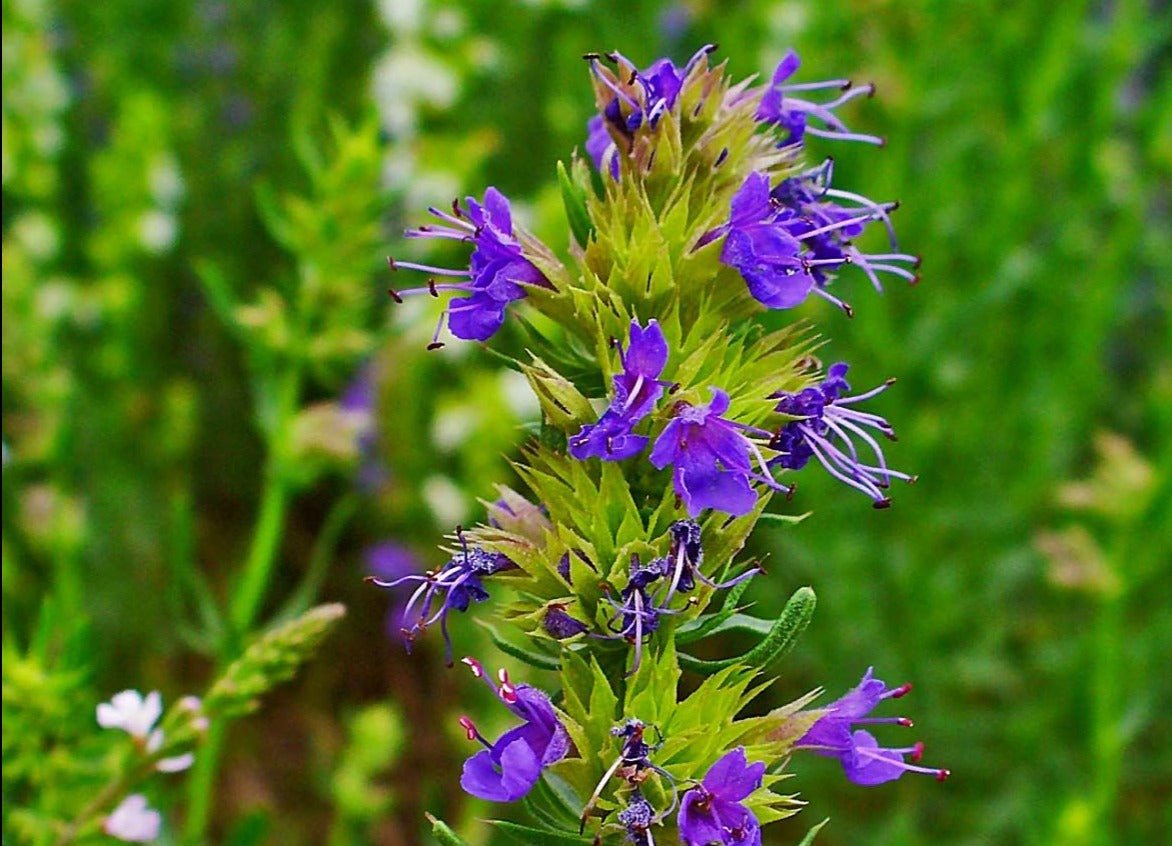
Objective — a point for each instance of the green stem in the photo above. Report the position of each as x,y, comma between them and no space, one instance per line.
1107,744
247,599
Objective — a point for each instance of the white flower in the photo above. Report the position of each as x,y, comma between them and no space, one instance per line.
133,820
131,712
136,715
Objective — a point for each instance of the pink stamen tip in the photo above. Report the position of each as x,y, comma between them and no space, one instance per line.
915,280
508,693
475,666
903,690
942,775
470,728
917,752
905,722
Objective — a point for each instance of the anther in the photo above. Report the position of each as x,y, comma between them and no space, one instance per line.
881,504
391,263
469,728
847,310
720,158
942,775
431,287
435,345
456,208
905,722
394,295
675,386
592,57
475,666
901,691
917,751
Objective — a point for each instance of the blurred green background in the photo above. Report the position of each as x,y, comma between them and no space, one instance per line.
191,189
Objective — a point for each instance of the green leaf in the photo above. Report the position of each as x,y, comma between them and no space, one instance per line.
524,653
443,833
574,200
809,838
528,835
781,637
701,627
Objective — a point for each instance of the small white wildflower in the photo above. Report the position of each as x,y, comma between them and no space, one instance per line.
134,820
132,712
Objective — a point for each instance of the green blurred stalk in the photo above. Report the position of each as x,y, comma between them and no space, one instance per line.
247,599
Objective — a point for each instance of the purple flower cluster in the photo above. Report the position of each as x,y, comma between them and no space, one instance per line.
866,763
644,99
785,241
506,770
498,271
455,585
636,391
826,427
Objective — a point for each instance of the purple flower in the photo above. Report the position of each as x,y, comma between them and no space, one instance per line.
793,113
506,770
559,624
498,271
711,458
787,241
636,98
826,427
637,616
636,391
684,559
713,812
865,762
458,582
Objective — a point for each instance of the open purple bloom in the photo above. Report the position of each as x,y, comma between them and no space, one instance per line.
454,586
506,770
498,270
712,458
793,114
787,241
639,97
636,391
866,763
713,812
826,429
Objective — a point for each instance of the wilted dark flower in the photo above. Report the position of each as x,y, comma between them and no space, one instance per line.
865,762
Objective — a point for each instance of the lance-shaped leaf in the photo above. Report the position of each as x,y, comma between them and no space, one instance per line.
443,833
781,636
574,200
528,835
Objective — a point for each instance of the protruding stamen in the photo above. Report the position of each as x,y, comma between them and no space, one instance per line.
475,666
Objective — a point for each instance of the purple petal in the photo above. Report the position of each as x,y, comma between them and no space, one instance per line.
475,318
667,445
713,488
875,766
506,780
733,778
751,202
646,352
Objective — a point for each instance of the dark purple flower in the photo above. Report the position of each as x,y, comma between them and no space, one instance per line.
684,559
559,624
498,271
636,391
712,458
713,812
865,762
787,241
793,114
454,586
388,562
506,770
637,615
637,819
826,429
635,98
